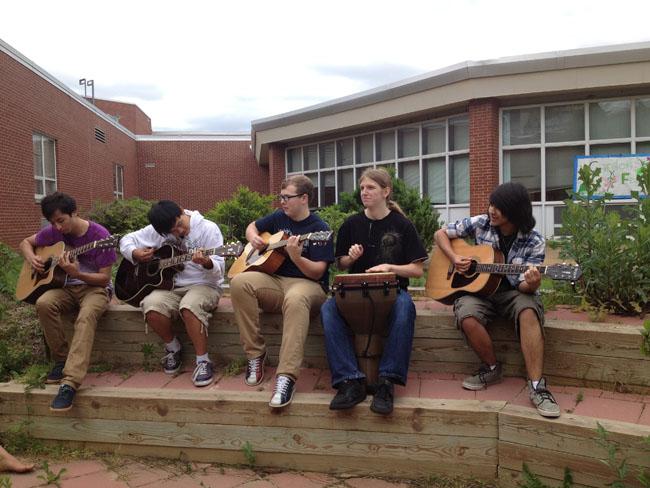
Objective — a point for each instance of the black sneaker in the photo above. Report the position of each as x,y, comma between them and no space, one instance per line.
382,403
171,362
350,393
63,400
56,375
283,392
203,374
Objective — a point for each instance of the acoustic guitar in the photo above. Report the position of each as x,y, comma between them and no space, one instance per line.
133,282
445,284
269,259
32,284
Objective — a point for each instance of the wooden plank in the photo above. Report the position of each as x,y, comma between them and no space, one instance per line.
509,478
360,444
411,415
573,434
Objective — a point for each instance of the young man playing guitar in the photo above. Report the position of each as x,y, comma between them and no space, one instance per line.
87,287
509,227
297,288
197,288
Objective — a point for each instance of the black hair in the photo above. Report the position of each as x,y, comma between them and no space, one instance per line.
58,201
163,216
513,200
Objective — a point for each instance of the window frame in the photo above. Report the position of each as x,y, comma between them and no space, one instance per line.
43,178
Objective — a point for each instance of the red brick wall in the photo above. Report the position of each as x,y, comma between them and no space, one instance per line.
483,152
277,168
130,116
197,174
29,104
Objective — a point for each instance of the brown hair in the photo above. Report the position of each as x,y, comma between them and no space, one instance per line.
302,183
382,178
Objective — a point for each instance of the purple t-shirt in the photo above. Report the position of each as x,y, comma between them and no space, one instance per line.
89,262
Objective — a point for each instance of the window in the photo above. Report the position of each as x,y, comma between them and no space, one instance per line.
431,157
118,182
44,165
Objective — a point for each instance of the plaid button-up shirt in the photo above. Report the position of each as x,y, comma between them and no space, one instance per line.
526,249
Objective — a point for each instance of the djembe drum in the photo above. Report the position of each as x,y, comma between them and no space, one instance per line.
365,300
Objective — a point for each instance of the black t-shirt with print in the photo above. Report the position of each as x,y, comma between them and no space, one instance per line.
312,250
391,240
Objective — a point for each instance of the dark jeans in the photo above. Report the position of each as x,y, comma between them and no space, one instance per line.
394,363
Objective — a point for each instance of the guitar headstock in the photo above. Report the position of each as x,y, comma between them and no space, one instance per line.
323,235
231,249
109,242
567,272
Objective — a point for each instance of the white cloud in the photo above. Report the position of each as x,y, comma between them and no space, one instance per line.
203,65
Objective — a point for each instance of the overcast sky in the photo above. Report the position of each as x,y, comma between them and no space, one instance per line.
215,66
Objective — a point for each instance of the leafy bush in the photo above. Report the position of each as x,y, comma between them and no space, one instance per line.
233,216
334,216
10,264
612,249
121,216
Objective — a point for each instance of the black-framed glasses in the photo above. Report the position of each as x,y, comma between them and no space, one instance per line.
286,198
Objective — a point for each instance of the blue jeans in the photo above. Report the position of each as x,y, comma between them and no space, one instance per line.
394,363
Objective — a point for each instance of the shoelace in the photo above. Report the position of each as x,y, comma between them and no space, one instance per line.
545,394
253,366
169,360
282,385
201,368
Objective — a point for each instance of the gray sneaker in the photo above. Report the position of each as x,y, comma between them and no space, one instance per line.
543,399
483,377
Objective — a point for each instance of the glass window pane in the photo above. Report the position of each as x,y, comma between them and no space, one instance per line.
524,166
36,143
459,179
344,154
326,155
294,160
433,138
559,171
521,126
643,117
408,142
458,134
434,179
643,147
385,145
49,158
410,173
364,149
313,200
609,149
609,120
328,190
50,186
310,157
120,179
565,123
39,190
346,181
38,165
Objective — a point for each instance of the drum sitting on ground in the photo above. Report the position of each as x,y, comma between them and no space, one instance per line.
365,300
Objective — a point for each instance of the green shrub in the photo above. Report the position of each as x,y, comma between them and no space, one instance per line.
233,216
121,216
10,264
334,217
612,249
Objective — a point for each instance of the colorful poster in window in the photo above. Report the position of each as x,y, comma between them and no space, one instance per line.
618,173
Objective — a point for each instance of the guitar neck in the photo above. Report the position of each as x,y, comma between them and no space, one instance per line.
83,249
506,269
183,258
283,242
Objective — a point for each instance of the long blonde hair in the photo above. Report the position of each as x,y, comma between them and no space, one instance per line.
382,178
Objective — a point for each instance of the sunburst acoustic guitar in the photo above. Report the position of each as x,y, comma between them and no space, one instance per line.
445,284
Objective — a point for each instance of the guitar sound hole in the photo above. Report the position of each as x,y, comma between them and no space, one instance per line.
152,268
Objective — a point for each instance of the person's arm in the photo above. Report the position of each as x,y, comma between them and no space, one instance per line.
253,236
531,280
442,240
139,246
311,269
411,270
354,253
71,268
26,248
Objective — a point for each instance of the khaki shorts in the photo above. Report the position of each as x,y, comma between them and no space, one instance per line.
508,304
201,300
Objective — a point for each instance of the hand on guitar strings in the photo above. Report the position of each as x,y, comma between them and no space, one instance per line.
37,263
71,268
143,255
294,248
199,258
258,243
533,277
462,263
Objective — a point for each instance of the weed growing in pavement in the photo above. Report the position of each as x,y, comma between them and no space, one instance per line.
247,449
148,360
645,338
100,368
34,377
235,367
5,482
50,477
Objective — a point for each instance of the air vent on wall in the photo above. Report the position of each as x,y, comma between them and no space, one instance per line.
100,135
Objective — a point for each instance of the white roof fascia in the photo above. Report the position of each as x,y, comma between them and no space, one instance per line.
195,136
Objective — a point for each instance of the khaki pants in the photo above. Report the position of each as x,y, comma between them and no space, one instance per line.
297,298
91,301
